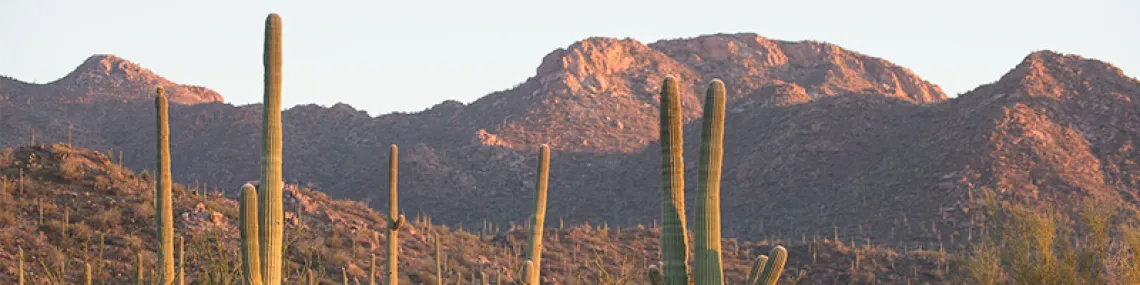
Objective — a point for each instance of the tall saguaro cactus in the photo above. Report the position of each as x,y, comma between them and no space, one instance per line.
262,220
271,214
674,245
707,244
164,204
709,268
534,258
395,220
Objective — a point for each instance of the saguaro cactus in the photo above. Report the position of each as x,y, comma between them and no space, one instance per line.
271,213
709,269
774,267
87,273
674,245
395,220
164,204
534,259
251,262
708,250
262,220
181,260
438,261
138,269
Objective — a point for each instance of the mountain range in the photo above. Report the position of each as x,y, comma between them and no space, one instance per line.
819,140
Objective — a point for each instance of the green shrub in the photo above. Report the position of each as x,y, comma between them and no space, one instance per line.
1024,244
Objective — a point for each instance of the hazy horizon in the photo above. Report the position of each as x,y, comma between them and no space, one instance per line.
409,56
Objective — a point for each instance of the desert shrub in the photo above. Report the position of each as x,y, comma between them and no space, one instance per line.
103,182
6,156
1036,245
108,218
132,241
144,210
81,232
7,216
71,169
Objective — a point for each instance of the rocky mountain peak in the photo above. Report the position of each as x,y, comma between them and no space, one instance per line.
748,61
105,77
1061,76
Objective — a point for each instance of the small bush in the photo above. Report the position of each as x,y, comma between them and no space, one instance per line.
6,156
108,218
71,169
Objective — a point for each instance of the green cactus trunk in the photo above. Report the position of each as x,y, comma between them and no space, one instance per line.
395,220
271,213
674,245
164,204
774,267
539,220
251,261
707,244
757,269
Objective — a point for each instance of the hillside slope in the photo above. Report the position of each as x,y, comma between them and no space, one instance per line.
96,212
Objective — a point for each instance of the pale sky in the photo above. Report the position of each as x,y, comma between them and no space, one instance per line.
385,56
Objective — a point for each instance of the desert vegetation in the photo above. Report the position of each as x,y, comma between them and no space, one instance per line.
80,218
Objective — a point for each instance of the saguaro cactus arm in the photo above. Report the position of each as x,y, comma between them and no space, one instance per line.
251,262
774,267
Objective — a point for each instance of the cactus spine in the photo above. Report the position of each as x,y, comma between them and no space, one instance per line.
534,259
163,206
674,245
395,220
707,244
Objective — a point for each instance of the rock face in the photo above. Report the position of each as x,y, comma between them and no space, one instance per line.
107,78
748,62
817,136
599,94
